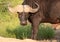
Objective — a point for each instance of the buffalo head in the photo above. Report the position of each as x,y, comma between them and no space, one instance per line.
23,12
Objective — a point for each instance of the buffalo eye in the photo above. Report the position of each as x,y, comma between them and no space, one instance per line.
18,12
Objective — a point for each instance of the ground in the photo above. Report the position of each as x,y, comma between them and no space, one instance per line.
2,39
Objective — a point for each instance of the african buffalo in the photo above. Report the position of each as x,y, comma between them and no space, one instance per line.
36,12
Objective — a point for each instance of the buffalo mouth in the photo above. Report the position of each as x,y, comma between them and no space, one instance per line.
23,23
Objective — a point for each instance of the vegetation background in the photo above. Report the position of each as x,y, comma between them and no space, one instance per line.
7,19
10,24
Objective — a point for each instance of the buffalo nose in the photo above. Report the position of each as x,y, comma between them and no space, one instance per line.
23,23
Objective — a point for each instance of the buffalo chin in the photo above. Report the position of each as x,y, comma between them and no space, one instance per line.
23,24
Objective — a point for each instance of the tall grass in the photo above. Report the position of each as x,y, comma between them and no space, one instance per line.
7,19
23,32
45,31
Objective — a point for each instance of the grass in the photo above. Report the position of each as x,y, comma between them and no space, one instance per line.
45,32
23,32
7,19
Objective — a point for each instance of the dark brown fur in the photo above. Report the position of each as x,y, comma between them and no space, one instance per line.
49,12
